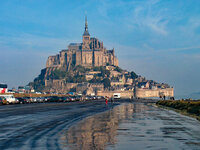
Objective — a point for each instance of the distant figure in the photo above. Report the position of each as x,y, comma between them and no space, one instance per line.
131,98
111,100
164,97
106,100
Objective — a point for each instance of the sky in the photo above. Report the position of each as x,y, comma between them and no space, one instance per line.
157,39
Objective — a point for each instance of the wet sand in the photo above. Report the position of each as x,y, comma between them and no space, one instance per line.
94,125
37,126
134,126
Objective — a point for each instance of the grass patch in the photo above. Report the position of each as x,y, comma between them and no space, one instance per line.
191,108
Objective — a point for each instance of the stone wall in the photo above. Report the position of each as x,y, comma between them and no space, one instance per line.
98,58
142,93
116,63
87,58
53,61
123,94
77,54
59,86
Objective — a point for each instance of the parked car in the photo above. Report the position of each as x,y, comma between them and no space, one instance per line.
53,99
77,98
100,97
90,97
40,99
22,100
27,99
11,99
34,99
67,99
46,99
87,98
3,100
72,98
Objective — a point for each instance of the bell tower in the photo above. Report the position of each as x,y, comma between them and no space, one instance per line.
86,36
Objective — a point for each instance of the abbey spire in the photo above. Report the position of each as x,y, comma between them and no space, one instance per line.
86,36
86,33
86,24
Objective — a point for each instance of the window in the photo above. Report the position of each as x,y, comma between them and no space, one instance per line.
86,38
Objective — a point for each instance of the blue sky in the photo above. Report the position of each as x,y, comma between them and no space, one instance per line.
157,39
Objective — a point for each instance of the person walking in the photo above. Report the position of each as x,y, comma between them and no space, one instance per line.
106,100
111,100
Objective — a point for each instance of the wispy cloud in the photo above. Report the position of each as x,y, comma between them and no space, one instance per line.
192,27
144,16
157,25
32,42
180,49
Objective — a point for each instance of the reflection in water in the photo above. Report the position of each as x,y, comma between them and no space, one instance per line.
133,126
98,131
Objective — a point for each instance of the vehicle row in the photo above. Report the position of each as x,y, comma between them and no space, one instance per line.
10,99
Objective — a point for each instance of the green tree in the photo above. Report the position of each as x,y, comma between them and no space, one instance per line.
106,83
57,74
97,69
81,69
95,80
118,69
75,79
103,70
133,75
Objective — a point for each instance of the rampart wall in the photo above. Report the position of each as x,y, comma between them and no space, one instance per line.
123,94
142,93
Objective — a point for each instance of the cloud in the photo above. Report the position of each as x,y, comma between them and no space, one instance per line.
28,42
157,25
192,27
184,49
144,16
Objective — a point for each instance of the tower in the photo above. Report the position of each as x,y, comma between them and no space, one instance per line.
86,36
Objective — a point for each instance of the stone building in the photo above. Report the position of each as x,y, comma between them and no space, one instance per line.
91,52
88,88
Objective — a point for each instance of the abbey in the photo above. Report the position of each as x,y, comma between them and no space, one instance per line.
89,53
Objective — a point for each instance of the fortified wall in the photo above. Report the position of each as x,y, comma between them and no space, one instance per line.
143,93
140,93
123,94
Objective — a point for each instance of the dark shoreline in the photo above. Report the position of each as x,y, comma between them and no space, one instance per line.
188,108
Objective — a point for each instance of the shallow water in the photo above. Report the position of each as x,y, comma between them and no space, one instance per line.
133,126
38,126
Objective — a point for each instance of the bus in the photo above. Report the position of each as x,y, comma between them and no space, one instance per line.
3,88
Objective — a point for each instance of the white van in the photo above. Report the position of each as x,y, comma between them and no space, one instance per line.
11,99
116,96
